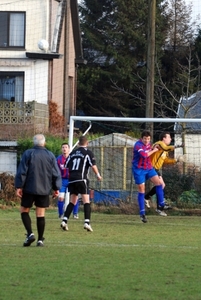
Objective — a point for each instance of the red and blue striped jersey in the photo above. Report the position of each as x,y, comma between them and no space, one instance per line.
61,161
141,160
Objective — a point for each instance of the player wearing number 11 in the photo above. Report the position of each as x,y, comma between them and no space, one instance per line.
78,162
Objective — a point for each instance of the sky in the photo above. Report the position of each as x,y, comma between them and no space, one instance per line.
196,7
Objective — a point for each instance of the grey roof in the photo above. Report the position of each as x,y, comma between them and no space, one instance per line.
113,139
190,108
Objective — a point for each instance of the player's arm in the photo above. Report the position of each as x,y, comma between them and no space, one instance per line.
58,163
153,150
145,153
164,147
95,170
170,161
92,163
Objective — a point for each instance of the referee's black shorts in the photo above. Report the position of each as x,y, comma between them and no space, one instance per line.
39,200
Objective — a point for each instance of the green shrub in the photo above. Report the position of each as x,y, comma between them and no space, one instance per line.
176,183
53,143
190,197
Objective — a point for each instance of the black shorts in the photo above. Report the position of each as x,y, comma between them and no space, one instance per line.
39,200
78,187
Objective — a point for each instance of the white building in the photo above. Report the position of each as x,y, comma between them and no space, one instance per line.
40,48
189,133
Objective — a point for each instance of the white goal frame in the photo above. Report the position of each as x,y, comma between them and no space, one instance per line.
119,119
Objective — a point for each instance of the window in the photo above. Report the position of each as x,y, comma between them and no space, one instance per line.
12,86
12,29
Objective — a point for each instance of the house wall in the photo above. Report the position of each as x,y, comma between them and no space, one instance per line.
37,24
44,80
35,77
35,71
57,94
63,80
8,162
70,48
37,82
69,108
8,157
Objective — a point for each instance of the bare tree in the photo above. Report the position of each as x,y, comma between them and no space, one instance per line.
181,29
188,83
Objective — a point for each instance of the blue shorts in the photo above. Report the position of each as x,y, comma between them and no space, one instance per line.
141,175
64,185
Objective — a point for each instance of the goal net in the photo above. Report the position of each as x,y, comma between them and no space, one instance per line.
113,150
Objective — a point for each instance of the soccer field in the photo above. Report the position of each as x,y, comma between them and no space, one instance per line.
122,259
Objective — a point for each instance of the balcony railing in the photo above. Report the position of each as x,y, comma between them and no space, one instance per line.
33,113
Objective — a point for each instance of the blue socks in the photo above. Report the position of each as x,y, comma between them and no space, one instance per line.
141,203
60,205
160,195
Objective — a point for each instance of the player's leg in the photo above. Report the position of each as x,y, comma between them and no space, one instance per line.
148,196
76,210
26,204
152,192
73,200
87,212
160,205
141,203
60,204
139,176
158,182
61,197
68,211
84,191
41,202
159,189
166,205
67,199
70,206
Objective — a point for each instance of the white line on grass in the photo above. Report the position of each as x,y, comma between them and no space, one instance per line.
122,222
81,244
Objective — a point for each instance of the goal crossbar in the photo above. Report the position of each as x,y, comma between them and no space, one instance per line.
123,119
